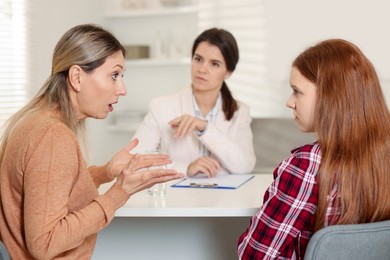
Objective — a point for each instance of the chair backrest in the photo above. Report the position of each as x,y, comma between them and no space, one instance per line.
3,252
355,242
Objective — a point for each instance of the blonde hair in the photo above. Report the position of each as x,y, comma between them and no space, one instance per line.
352,123
85,45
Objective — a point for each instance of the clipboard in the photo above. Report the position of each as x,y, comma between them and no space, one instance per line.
219,182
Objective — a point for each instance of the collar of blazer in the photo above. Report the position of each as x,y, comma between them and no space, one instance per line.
186,105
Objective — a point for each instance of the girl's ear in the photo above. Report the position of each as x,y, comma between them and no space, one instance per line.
74,76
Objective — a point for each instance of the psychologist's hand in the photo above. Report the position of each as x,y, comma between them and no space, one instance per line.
135,177
123,156
205,165
186,124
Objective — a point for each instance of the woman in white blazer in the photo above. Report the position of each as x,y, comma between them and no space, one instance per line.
203,128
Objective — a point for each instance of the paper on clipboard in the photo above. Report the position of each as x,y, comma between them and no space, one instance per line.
220,182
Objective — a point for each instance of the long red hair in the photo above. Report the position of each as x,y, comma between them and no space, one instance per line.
352,123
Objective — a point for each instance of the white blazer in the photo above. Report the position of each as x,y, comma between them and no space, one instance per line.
230,142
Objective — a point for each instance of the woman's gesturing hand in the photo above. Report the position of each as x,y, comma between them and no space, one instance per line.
135,176
186,124
123,156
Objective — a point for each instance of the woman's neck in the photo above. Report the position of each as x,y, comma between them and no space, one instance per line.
206,101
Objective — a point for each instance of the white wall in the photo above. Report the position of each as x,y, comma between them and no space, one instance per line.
50,19
295,25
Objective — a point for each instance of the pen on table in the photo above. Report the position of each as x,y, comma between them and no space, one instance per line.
203,185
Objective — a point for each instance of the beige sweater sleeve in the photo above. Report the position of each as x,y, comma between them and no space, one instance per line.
99,174
55,181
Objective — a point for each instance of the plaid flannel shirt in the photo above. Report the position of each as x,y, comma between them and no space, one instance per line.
282,227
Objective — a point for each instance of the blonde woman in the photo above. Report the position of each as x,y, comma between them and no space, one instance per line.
49,205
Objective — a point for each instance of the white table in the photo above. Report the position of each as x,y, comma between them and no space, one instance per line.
186,223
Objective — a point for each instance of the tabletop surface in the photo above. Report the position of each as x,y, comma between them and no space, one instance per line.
198,202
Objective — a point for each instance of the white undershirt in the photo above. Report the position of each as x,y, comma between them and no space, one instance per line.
211,118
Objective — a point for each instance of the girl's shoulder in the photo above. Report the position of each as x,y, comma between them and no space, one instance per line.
304,161
309,153
307,148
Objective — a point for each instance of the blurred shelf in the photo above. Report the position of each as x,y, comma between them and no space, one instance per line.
159,62
163,11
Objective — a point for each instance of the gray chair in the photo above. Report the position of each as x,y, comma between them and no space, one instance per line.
355,242
3,252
